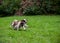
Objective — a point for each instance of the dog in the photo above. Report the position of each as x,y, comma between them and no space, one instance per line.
16,24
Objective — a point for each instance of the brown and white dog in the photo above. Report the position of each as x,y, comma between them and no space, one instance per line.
18,24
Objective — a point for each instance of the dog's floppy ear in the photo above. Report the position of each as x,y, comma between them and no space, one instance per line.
25,20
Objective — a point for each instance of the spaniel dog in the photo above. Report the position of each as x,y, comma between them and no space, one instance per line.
18,24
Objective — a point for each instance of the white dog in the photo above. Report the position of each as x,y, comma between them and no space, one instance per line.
18,24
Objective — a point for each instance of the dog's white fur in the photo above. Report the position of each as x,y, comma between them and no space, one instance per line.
18,24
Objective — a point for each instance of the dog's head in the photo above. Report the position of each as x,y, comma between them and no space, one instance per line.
24,21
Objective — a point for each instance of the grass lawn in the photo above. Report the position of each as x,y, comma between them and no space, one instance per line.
42,29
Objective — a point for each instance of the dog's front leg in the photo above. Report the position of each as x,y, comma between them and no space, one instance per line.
24,28
25,25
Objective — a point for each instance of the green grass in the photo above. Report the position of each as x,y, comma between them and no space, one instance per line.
42,29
